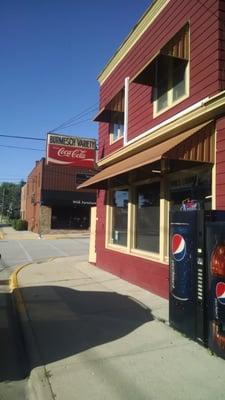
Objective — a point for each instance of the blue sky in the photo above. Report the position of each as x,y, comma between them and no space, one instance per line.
51,54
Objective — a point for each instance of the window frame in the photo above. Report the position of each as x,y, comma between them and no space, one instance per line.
162,256
111,133
134,217
170,102
109,221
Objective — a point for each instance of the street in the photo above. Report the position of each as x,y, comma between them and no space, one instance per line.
13,362
13,367
77,323
17,252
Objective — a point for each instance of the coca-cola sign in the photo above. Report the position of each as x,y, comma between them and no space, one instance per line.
71,151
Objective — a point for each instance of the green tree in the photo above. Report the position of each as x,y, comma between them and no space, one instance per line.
10,195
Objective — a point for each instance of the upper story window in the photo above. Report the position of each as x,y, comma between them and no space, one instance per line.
168,72
116,131
113,114
171,72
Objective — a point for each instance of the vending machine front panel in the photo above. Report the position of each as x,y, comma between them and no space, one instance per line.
183,279
215,259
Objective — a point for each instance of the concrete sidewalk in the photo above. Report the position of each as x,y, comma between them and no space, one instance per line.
91,335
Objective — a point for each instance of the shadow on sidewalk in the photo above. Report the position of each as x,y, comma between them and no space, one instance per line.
13,366
66,322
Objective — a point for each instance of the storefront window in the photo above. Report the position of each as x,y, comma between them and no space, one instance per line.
147,217
119,217
191,185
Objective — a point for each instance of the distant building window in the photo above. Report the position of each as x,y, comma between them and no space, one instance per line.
33,198
80,178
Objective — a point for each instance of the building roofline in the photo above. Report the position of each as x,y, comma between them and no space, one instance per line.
141,26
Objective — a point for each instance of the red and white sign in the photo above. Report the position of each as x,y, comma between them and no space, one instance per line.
71,151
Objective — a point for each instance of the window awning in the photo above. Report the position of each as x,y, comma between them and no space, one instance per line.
195,144
113,111
107,115
147,75
175,51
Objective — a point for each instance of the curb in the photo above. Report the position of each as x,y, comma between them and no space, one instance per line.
50,237
38,383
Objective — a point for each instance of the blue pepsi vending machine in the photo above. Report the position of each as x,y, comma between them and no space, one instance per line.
215,260
197,276
186,289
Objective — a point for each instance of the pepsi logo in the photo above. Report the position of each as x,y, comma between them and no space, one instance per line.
220,292
178,247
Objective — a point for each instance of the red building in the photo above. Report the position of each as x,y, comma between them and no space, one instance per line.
50,199
161,135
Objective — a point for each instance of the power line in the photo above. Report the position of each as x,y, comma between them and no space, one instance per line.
75,123
21,148
76,117
22,137
78,122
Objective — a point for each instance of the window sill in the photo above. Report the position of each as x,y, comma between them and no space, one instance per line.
117,247
137,253
115,141
169,107
145,254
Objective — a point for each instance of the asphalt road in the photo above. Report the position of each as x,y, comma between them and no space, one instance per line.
17,252
13,365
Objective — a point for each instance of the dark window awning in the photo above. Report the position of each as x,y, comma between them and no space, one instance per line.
113,111
147,75
195,145
107,115
175,52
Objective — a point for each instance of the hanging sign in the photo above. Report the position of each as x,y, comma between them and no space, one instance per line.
71,151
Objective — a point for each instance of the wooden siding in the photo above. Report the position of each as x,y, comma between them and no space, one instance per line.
198,147
222,43
220,164
205,71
